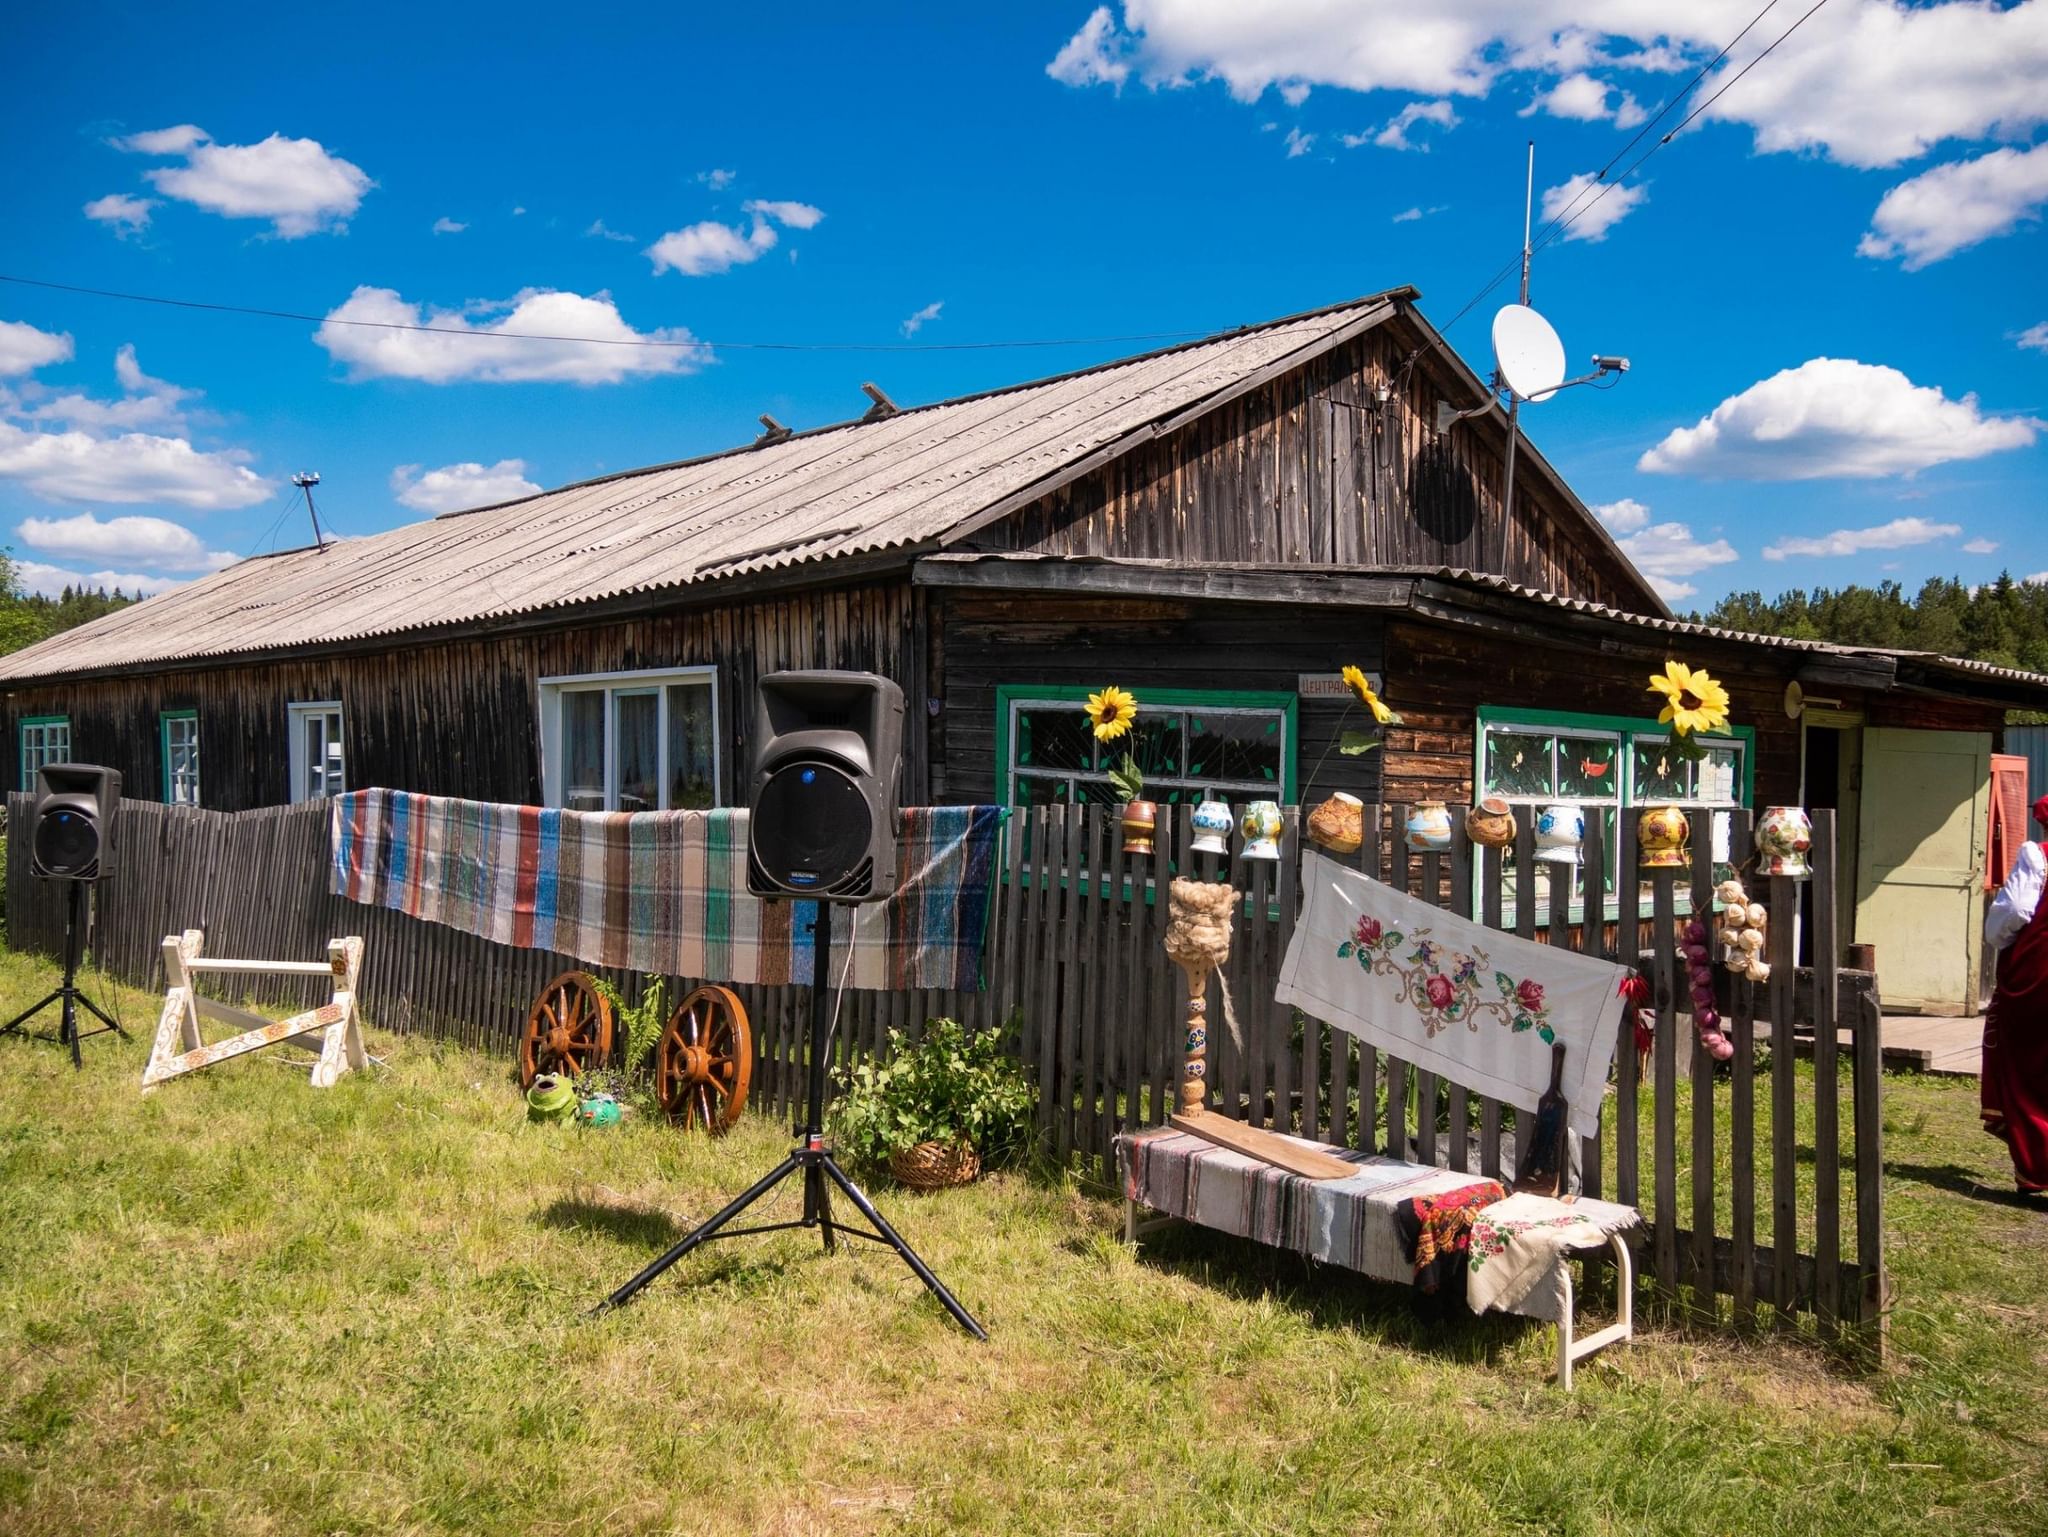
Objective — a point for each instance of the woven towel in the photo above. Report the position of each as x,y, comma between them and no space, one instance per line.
663,892
1521,1242
1469,1003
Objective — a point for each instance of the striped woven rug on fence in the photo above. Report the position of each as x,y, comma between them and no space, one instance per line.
663,892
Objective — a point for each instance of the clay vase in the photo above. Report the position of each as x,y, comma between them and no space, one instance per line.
1661,835
1212,828
1338,824
1559,831
1260,826
1140,821
1429,827
1491,823
1784,837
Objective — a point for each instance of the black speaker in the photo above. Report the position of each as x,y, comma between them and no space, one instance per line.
822,786
74,820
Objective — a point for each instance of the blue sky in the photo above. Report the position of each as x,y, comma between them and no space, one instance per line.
1830,285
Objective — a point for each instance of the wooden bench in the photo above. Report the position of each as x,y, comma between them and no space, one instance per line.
1347,1222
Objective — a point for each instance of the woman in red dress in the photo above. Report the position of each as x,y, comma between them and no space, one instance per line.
2014,1084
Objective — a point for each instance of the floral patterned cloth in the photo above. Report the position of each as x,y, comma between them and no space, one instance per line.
1452,997
1437,1229
1520,1243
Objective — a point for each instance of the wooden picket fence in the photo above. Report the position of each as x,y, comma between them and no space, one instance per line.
1742,1185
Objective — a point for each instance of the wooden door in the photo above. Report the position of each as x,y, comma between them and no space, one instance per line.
1920,891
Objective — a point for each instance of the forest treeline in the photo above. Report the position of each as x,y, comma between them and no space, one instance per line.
26,618
2003,622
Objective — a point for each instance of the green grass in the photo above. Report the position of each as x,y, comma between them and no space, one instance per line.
237,1305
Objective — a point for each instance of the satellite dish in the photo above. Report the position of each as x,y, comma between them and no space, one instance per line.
1795,699
1527,352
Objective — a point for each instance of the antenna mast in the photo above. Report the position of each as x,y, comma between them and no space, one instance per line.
1507,495
306,480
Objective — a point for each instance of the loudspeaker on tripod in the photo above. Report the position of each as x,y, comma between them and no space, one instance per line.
74,820
821,786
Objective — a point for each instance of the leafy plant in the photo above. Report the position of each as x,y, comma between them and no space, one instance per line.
643,1022
953,1086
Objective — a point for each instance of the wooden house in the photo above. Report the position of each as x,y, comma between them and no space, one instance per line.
1220,527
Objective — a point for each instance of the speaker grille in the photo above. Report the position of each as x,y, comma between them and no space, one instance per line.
67,844
811,830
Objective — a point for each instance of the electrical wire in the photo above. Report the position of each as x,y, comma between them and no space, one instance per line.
595,341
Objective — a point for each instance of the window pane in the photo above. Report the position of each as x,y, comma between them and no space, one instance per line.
1586,768
1518,763
1720,776
1238,747
638,747
1158,739
583,750
1057,738
1660,774
690,786
336,781
1042,790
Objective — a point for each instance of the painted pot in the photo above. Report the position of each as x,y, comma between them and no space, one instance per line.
1338,824
1491,823
1141,819
598,1110
1261,826
1784,837
1212,828
1560,829
1429,827
1662,833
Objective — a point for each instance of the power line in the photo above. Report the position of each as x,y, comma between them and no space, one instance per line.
1572,212
599,341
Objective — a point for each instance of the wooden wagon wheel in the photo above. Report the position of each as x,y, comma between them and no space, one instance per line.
705,1060
568,1029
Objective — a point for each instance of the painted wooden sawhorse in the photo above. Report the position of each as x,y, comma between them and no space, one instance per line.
180,1049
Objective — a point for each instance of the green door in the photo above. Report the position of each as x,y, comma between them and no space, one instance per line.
1920,895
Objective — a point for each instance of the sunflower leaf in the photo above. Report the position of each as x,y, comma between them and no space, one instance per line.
1353,743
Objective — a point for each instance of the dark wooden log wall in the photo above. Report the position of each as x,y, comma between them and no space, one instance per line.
1311,470
1140,644
458,717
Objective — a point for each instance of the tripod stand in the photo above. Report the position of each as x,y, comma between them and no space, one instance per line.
815,1162
68,1033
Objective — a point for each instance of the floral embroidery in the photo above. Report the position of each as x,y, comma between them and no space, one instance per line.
1490,1235
1443,985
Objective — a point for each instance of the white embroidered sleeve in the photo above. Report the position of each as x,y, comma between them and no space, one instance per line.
2013,908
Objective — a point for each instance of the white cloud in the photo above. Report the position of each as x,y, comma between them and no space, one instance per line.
794,215
699,250
147,402
1666,553
294,183
1295,92
1410,215
75,466
716,180
1835,417
1394,135
1953,207
1981,547
37,576
462,348
1898,534
1299,143
1582,98
2035,337
455,487
447,226
155,542
1866,82
2038,579
917,322
600,231
1093,55
1626,516
120,212
23,348
1592,209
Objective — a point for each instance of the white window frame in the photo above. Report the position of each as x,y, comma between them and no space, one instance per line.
553,757
297,712
165,722
48,746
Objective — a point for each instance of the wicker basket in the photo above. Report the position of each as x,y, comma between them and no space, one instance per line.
936,1165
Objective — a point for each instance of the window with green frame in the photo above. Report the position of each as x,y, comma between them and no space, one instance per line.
1190,744
1612,766
179,732
44,739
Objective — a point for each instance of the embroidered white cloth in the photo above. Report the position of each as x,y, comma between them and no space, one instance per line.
1452,997
1520,1243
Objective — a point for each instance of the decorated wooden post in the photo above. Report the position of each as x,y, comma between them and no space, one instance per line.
179,1048
1198,941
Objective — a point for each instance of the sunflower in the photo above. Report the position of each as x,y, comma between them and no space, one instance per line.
1361,690
1111,712
1692,700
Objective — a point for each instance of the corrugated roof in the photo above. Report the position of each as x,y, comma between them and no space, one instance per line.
856,488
